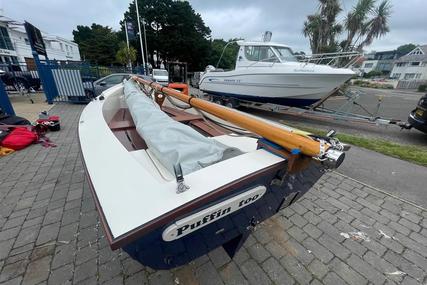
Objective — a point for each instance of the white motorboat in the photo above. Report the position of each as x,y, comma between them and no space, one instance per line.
268,72
170,184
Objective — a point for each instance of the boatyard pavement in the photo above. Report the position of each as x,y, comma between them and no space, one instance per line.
341,232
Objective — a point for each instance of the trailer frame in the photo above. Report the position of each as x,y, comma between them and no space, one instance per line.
344,113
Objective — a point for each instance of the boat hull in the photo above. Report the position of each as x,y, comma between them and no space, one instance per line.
230,231
290,89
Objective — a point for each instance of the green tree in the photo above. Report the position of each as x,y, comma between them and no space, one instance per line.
405,49
125,55
98,44
228,60
175,32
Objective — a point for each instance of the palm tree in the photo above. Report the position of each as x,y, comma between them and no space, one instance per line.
321,28
355,21
365,23
312,31
378,25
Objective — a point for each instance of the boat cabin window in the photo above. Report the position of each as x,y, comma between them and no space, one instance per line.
285,54
260,53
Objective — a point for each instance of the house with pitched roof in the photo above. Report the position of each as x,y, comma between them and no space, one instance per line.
412,66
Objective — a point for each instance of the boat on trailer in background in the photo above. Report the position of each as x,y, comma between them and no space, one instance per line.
268,72
174,176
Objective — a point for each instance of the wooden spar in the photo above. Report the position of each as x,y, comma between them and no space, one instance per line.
278,135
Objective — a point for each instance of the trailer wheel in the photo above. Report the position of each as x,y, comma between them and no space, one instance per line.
218,101
232,103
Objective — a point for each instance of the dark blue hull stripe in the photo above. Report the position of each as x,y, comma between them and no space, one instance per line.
293,102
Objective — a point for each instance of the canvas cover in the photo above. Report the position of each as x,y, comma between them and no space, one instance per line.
172,142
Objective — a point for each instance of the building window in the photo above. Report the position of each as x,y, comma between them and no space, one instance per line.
416,51
5,42
27,41
400,64
409,76
368,65
61,46
418,76
415,63
396,75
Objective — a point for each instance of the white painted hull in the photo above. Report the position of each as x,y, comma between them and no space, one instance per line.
298,84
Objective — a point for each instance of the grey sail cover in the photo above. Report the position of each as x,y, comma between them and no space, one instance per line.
172,142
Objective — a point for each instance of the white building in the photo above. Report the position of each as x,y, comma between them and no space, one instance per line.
382,61
412,66
15,46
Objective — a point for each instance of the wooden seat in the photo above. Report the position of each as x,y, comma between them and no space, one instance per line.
122,120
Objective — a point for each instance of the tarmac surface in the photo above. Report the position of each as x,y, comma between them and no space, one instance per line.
341,232
395,104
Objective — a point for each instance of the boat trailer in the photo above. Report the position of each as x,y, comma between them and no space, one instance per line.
318,111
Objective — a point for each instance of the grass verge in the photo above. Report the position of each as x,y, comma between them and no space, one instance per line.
411,153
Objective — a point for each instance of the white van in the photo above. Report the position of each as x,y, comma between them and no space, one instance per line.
161,76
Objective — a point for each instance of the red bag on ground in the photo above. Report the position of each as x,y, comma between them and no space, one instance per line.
19,138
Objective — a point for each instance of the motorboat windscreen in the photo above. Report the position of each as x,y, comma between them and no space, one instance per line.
284,53
172,143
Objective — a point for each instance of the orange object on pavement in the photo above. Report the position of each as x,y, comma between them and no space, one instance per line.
5,151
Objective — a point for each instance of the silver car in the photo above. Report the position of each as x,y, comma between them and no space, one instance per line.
104,83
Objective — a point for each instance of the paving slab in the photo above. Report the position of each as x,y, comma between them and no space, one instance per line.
341,232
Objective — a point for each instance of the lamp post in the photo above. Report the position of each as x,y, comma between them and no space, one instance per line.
145,40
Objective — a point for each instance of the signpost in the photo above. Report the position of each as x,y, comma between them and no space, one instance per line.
45,70
129,33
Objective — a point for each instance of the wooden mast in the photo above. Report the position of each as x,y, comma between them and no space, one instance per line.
280,136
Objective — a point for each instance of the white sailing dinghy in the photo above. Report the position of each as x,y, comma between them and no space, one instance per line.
171,184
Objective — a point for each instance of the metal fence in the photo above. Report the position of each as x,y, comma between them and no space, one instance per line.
410,84
69,82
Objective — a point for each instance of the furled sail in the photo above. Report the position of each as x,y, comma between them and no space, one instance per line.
172,142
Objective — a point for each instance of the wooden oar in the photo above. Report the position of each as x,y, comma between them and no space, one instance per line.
278,135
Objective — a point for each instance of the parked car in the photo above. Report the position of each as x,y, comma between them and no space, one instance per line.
161,76
418,117
97,87
20,80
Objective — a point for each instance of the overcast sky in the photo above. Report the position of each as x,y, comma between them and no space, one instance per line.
227,18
